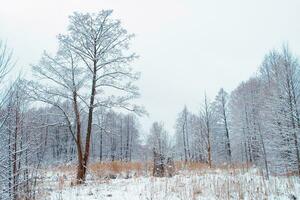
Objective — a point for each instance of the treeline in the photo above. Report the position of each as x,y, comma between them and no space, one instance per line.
115,138
257,124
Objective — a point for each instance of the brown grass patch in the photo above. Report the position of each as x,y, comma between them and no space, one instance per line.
130,169
116,167
202,166
191,166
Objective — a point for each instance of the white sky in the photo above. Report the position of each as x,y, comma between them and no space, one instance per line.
186,47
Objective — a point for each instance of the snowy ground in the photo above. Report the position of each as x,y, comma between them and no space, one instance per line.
195,185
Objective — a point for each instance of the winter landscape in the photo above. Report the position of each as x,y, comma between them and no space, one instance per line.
138,100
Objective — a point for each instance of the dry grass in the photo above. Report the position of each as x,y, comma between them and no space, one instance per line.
116,167
287,174
220,182
104,169
191,166
200,166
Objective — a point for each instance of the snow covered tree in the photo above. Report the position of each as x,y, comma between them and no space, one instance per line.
207,117
102,45
158,143
280,73
220,107
91,69
182,131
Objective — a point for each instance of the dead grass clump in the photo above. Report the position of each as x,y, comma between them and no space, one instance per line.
193,166
286,174
116,168
201,167
112,170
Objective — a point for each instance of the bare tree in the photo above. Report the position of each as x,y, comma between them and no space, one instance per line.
60,79
6,62
280,73
207,117
102,45
182,128
221,109
94,57
157,142
6,184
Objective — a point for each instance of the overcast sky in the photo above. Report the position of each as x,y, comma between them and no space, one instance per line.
186,47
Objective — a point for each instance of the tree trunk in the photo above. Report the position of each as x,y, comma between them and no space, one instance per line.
226,129
121,140
127,141
15,150
187,136
264,152
80,167
83,166
208,133
101,145
184,144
